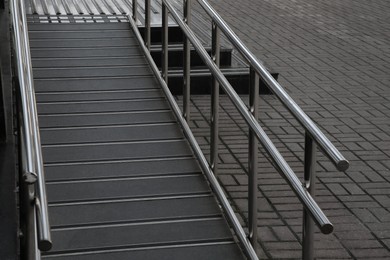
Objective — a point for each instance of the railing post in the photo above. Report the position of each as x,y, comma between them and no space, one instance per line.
164,40
186,64
135,5
253,160
215,55
309,182
147,24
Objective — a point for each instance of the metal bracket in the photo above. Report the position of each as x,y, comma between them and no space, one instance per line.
30,177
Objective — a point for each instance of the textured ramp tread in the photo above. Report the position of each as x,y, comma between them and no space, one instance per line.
122,182
99,95
87,52
85,43
91,72
112,118
101,106
199,251
115,151
133,211
88,62
110,134
114,83
136,235
96,170
125,188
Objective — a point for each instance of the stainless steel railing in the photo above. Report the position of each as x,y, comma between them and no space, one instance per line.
334,155
30,145
313,135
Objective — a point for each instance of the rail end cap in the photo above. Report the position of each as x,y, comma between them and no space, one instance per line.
343,165
327,229
45,245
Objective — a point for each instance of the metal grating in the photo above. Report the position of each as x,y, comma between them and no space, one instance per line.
77,18
58,10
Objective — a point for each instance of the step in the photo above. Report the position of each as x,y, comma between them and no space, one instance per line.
175,34
175,56
201,81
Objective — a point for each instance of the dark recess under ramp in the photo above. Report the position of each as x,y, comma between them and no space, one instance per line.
122,181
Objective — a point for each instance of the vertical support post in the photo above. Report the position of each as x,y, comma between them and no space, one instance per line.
164,37
31,242
309,182
214,142
186,64
253,160
147,24
135,5
2,4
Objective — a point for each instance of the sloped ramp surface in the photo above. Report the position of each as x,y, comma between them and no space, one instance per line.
122,182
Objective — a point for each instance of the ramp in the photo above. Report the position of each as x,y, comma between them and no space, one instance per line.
122,182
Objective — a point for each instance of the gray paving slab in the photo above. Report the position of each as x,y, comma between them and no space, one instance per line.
334,60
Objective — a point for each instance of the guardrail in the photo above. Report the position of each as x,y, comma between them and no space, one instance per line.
313,135
30,146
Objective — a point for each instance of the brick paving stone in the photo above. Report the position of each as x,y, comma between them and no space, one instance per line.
334,60
368,253
285,254
365,215
339,253
266,234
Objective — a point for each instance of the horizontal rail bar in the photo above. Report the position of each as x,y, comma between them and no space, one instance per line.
330,150
30,121
197,150
281,165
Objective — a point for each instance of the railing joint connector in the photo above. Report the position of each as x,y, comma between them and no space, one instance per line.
30,177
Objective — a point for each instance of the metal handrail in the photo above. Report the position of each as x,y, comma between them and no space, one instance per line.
313,135
283,167
31,146
330,150
249,250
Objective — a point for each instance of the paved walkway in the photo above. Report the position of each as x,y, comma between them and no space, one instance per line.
334,59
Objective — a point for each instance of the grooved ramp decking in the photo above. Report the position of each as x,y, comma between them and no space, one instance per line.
122,182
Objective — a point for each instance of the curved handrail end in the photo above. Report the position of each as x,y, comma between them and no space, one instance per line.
45,245
327,228
342,165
